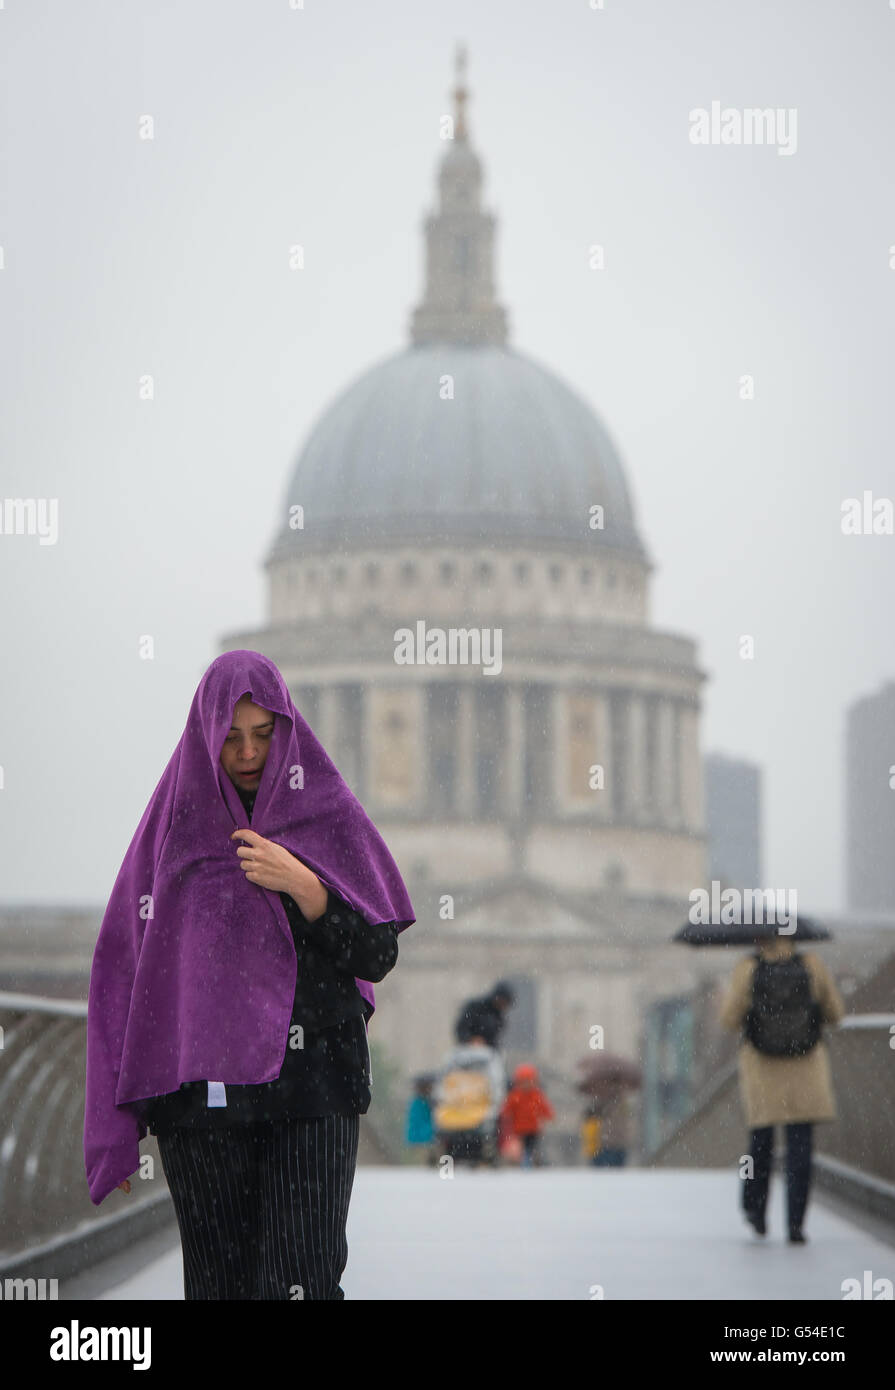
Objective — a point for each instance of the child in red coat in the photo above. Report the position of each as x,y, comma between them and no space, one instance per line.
525,1110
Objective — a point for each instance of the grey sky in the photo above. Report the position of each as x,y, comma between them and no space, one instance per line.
320,126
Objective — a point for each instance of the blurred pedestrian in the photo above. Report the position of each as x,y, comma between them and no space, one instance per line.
485,1017
605,1129
591,1125
781,997
527,1109
468,1095
420,1129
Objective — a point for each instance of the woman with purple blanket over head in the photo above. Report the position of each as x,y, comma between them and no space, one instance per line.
231,987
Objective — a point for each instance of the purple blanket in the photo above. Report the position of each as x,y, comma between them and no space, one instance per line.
194,970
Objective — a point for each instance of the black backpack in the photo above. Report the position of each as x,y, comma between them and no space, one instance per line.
784,1020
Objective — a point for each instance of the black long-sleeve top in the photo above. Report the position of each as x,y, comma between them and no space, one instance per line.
326,1068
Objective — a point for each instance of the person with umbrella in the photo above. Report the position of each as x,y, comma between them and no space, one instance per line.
605,1130
605,1123
780,998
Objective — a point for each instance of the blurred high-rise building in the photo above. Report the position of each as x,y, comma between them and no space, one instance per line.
870,802
733,820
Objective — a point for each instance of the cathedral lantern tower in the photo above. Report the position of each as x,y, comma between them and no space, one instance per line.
459,304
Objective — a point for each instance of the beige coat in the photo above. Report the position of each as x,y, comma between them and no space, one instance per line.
784,1090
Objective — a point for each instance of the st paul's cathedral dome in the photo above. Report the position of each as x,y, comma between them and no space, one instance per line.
546,813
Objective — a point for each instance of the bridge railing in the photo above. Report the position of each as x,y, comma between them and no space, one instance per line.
862,1058
47,1220
43,1184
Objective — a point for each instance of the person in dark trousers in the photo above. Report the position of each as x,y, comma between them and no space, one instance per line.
242,979
485,1018
781,998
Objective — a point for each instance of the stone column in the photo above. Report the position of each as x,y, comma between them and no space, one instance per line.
604,801
690,769
666,755
328,721
557,753
635,737
466,744
366,748
512,753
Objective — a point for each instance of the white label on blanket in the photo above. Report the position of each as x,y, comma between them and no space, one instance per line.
217,1093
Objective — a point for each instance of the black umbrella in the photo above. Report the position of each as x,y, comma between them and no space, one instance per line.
748,933
605,1072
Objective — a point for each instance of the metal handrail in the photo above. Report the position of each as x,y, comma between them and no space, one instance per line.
38,1004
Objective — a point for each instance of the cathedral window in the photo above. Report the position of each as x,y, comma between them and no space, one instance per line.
394,765
614,876
556,573
408,572
522,570
521,1029
447,571
307,700
537,750
371,573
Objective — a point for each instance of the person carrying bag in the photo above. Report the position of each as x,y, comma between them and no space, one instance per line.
780,999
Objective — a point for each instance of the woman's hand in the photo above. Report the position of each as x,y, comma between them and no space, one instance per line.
273,867
126,1185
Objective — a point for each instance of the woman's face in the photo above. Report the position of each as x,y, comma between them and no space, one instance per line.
246,746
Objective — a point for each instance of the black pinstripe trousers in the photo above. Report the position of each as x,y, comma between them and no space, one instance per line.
262,1207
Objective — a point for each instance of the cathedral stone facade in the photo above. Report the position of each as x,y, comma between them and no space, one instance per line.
547,814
